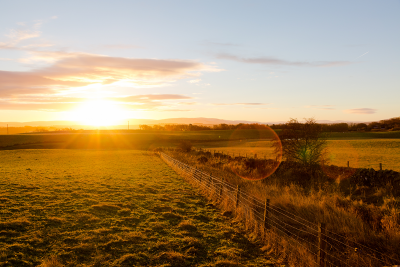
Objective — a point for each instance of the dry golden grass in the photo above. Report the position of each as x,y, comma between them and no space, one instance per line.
348,220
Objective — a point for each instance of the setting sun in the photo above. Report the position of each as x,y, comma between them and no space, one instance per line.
200,133
99,113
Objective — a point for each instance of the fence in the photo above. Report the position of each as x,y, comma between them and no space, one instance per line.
263,156
312,244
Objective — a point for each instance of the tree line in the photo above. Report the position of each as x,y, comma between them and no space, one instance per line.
389,124
32,129
196,127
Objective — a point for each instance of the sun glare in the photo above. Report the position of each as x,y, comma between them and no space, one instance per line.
99,113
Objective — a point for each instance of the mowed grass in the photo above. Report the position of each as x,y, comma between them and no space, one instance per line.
364,153
110,208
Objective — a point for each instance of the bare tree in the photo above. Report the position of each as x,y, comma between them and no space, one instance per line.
302,142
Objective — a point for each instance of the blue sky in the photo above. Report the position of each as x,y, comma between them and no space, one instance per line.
239,60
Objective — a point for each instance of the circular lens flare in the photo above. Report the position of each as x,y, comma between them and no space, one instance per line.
258,150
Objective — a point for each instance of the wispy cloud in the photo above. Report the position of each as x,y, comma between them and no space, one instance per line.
24,32
276,61
363,54
360,111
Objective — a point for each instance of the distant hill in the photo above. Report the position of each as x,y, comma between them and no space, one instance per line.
135,122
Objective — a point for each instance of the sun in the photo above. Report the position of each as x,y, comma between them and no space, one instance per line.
99,113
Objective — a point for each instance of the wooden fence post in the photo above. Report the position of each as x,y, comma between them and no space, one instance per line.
237,196
380,166
321,245
266,214
348,164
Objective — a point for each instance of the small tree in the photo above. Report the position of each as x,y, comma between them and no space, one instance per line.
302,142
185,146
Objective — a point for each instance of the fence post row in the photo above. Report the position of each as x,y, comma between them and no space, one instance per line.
269,220
321,245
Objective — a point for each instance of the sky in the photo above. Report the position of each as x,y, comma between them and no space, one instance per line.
102,61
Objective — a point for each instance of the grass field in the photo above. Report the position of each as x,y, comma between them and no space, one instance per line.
121,139
364,153
110,208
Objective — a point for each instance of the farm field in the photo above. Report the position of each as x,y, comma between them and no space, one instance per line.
121,139
364,153
110,208
137,139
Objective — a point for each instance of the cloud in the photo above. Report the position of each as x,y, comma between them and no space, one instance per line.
360,111
99,68
363,54
24,32
79,74
19,35
63,103
76,70
240,104
321,107
276,61
194,81
14,83
5,105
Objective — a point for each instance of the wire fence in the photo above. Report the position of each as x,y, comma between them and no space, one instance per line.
312,244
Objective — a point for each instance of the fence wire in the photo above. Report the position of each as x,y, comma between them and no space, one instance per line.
339,251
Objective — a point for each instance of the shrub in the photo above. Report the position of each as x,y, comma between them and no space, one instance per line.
185,146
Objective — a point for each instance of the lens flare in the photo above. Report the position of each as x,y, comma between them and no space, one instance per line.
263,150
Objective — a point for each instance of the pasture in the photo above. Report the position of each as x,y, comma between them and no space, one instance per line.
363,153
122,139
110,208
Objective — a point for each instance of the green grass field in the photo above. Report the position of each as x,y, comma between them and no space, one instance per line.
364,153
110,208
134,139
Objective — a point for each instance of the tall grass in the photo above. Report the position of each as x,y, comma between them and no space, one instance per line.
347,218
